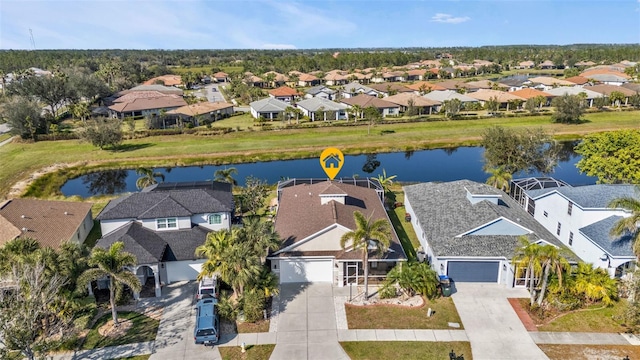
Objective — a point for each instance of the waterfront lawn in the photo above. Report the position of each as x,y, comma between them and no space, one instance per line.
253,352
21,160
579,352
406,350
401,317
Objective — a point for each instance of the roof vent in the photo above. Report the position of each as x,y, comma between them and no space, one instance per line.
24,229
23,216
66,213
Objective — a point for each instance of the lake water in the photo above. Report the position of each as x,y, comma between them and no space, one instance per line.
417,166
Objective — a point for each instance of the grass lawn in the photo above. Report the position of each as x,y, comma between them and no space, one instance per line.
20,160
406,350
243,122
403,228
4,136
144,329
253,352
259,326
590,352
592,319
396,317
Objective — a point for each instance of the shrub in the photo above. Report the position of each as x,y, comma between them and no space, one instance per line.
388,291
253,303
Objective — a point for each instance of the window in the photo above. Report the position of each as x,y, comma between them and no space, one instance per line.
569,208
168,223
215,219
570,238
558,230
546,214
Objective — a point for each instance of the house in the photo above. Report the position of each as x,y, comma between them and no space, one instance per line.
203,112
420,103
335,78
503,98
164,224
284,93
584,63
575,90
306,79
268,108
547,65
606,75
415,74
545,83
386,108
312,216
526,65
606,90
485,84
166,80
278,79
456,85
355,88
221,76
51,223
319,108
470,231
581,219
423,87
446,95
632,86
167,90
320,91
252,80
144,103
578,80
530,93
386,89
515,82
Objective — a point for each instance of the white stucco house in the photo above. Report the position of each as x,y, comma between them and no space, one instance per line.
580,217
471,231
268,108
163,225
322,109
312,216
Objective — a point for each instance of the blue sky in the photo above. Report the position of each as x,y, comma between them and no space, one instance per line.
238,24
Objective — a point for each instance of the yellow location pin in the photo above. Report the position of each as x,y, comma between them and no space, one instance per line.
331,161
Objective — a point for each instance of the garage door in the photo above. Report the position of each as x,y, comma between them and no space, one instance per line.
307,270
183,270
473,271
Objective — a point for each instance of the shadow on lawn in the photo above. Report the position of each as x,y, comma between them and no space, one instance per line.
132,147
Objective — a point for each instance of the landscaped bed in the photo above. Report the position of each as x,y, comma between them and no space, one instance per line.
403,317
256,327
594,318
590,352
406,350
253,352
143,329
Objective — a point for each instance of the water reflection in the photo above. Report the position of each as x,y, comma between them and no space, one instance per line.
106,182
371,164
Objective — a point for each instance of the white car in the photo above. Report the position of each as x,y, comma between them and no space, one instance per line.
207,287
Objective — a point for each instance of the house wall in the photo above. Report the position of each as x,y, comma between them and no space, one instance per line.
390,111
107,226
327,240
80,235
183,223
203,220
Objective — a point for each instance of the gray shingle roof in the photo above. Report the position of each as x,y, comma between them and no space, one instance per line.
589,196
320,88
155,246
444,212
159,203
269,105
599,233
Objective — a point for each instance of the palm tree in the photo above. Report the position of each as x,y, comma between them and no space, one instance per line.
213,250
260,235
289,112
628,225
226,175
527,257
111,264
367,234
17,251
386,181
499,178
552,262
595,284
148,177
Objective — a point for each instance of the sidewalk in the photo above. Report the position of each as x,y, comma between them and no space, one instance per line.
581,338
112,352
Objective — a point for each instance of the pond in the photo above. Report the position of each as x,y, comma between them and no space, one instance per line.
413,166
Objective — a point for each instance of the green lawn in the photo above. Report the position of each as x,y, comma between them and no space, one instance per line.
405,350
592,319
144,329
20,160
243,122
4,136
403,228
253,352
397,317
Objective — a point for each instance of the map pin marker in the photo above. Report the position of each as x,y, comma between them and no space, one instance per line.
331,161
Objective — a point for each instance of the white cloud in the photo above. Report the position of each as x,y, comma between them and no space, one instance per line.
449,19
278,46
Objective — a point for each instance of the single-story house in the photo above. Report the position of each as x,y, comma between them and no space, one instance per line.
221,76
415,74
278,79
268,108
144,103
525,65
485,84
312,216
335,78
547,65
423,87
203,111
319,108
515,82
422,104
446,95
503,98
578,80
252,80
606,90
168,90
386,108
306,79
575,90
529,93
164,224
471,231
386,89
284,93
355,88
607,76
167,80
545,83
320,91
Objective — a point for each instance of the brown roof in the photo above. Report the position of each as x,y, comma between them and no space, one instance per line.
200,108
453,84
488,94
403,99
307,77
485,84
417,86
335,76
277,76
631,86
51,223
8,231
603,71
284,91
364,101
138,103
578,80
220,74
550,81
608,89
168,80
415,72
384,87
301,214
528,93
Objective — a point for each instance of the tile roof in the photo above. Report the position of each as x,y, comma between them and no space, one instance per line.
143,100
599,233
444,212
528,93
404,98
284,91
488,94
418,86
220,74
307,77
632,86
453,84
315,103
200,108
606,90
589,196
385,87
168,80
444,95
578,80
155,87
550,81
269,105
364,101
301,214
590,73
573,90
608,78
51,223
335,76
486,84
159,203
278,77
8,231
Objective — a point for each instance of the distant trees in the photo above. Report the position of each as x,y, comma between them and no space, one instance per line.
568,108
452,108
23,115
612,156
103,133
54,91
253,195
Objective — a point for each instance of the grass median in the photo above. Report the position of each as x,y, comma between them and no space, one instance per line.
21,160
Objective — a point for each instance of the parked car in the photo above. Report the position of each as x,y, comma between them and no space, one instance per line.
207,330
207,287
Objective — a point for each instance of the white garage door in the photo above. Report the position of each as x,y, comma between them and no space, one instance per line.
183,270
306,270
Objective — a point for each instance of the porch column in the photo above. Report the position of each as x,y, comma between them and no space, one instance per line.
156,278
90,289
136,294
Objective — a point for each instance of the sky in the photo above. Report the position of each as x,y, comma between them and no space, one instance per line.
313,24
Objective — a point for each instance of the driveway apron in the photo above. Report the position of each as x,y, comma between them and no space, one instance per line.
492,326
307,323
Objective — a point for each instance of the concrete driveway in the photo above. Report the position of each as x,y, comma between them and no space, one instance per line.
492,326
307,323
213,93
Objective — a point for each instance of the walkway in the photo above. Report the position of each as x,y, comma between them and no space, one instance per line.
493,328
